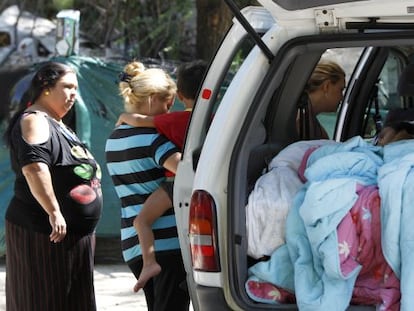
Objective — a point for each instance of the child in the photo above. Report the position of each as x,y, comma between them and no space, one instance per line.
398,126
395,132
172,125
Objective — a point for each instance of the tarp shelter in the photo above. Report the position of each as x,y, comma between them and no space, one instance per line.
96,111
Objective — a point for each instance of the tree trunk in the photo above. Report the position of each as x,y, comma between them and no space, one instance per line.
213,21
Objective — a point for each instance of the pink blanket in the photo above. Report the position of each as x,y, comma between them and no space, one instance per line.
359,241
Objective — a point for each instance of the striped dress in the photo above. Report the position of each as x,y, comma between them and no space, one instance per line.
134,158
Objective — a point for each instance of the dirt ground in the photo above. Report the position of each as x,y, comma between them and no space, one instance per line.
113,286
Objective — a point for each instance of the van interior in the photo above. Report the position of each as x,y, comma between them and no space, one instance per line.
379,78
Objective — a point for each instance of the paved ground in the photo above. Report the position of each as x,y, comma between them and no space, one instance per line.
113,285
113,280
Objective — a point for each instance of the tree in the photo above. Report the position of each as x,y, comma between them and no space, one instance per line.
153,29
213,21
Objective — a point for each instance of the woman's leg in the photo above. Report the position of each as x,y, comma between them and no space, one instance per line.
170,286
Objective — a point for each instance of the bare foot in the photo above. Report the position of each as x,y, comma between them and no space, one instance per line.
147,272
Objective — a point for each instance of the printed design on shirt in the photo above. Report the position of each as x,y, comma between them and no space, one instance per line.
84,171
98,171
96,185
83,194
81,153
86,194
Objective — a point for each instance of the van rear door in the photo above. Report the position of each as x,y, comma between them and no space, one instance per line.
231,53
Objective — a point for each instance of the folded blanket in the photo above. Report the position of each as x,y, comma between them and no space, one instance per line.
271,199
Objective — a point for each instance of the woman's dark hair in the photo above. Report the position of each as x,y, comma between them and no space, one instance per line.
45,77
399,115
401,119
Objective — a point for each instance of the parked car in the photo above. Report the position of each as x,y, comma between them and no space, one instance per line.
245,115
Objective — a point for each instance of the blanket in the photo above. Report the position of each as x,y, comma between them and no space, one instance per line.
333,255
271,199
396,184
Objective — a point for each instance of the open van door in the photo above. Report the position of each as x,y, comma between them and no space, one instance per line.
235,47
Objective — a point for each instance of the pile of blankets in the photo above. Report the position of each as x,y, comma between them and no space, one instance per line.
342,227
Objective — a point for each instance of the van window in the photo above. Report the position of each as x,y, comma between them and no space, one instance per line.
387,92
232,67
238,57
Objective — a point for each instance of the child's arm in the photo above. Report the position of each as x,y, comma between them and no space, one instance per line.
136,119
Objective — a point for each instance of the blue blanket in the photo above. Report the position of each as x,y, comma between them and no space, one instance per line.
396,186
308,263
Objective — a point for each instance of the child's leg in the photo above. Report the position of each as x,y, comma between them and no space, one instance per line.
155,206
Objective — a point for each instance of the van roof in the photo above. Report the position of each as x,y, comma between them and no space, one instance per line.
298,9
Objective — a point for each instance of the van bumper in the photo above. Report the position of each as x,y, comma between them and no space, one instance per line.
210,299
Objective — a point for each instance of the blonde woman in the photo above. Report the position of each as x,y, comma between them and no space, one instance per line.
173,126
324,92
136,160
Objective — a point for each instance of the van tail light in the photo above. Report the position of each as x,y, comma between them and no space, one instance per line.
203,232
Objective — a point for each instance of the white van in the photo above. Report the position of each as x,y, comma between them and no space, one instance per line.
246,112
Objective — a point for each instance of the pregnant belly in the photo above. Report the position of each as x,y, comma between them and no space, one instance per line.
83,209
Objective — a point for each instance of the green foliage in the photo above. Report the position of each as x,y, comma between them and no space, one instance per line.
63,4
157,27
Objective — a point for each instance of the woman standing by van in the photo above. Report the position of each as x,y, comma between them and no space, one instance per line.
136,159
323,93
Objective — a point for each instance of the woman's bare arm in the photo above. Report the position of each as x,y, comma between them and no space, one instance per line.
35,129
136,119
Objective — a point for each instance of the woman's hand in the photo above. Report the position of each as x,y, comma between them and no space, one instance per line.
58,224
120,120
